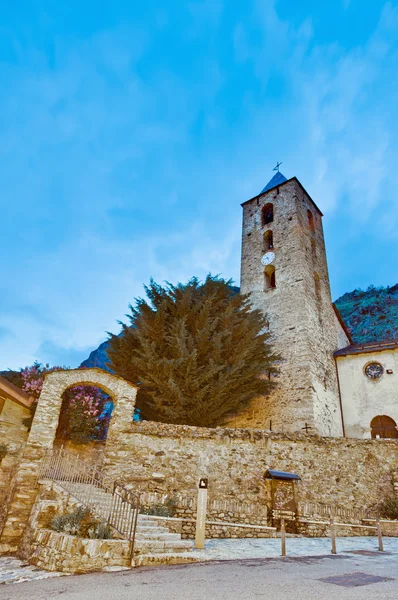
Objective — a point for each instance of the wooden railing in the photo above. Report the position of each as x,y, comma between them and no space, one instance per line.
315,509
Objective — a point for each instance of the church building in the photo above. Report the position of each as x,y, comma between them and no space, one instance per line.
326,383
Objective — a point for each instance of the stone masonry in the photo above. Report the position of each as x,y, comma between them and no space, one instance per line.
304,327
171,458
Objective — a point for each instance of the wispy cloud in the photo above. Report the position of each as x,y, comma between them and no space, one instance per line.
127,151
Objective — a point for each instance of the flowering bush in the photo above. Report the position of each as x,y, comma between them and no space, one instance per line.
85,414
85,411
33,377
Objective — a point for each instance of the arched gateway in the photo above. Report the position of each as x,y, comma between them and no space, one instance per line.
46,419
42,436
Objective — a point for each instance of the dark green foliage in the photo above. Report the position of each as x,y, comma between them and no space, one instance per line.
371,315
389,507
14,377
168,509
82,523
196,351
3,451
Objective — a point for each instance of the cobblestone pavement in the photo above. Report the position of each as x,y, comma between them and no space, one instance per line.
13,570
232,549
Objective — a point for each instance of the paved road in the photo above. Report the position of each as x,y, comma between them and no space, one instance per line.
271,579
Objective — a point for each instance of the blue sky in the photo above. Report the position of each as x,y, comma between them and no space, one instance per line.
131,132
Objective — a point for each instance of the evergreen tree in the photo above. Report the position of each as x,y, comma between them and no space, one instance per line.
197,352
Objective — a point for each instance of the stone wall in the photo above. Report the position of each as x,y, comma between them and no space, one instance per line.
91,452
171,459
214,530
67,553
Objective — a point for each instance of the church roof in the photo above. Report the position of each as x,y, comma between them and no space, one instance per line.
277,179
367,347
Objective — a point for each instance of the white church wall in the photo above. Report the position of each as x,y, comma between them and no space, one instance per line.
364,398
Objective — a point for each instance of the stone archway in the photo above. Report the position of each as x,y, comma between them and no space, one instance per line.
42,436
44,426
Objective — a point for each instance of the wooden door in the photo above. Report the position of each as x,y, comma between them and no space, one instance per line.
384,427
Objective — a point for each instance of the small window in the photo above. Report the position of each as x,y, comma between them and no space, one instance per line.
383,427
269,278
317,283
267,214
268,241
311,220
374,370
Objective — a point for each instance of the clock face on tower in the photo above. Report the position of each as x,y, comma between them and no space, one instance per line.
268,259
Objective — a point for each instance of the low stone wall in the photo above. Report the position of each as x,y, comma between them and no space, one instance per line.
388,528
319,530
351,473
67,553
214,531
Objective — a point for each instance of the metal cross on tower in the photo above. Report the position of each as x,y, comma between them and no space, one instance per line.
278,164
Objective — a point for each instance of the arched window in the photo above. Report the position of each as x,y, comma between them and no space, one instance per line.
267,214
311,220
268,241
269,278
313,249
384,427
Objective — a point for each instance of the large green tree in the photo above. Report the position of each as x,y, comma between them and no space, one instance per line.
197,352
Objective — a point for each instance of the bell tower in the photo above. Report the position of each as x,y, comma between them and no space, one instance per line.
284,269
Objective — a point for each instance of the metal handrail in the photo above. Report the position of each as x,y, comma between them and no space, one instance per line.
107,498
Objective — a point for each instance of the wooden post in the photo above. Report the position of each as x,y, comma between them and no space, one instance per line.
201,515
379,535
333,535
283,537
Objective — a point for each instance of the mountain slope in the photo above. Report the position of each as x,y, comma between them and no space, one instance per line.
370,315
98,358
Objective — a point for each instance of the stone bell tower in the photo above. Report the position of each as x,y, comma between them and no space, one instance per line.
284,269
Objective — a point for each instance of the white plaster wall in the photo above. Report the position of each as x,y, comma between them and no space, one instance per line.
363,398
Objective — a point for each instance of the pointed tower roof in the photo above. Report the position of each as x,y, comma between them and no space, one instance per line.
277,179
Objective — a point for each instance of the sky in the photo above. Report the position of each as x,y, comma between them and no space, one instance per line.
132,131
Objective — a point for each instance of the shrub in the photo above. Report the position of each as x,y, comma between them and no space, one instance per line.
168,509
389,507
82,523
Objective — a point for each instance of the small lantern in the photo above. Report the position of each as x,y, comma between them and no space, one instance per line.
203,483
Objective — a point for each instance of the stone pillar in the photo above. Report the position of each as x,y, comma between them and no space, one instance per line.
23,498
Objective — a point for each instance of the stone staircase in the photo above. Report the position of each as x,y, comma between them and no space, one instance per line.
153,544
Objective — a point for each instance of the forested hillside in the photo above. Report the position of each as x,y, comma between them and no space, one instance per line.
371,314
